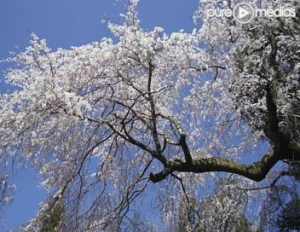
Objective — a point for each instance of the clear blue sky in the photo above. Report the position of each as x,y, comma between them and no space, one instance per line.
66,23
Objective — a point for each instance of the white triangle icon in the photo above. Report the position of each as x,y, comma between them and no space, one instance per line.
242,13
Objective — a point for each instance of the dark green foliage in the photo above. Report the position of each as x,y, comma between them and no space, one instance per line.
51,221
289,218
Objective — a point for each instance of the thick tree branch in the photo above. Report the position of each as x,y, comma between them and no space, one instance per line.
185,148
256,171
153,111
272,129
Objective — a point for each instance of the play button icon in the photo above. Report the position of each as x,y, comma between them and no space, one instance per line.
243,13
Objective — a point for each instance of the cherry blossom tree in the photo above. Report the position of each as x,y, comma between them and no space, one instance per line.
104,121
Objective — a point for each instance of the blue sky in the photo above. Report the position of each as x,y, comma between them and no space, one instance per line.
66,23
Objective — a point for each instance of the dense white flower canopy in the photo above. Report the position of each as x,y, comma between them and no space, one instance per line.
104,121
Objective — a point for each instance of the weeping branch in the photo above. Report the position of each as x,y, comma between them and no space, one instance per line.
283,148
